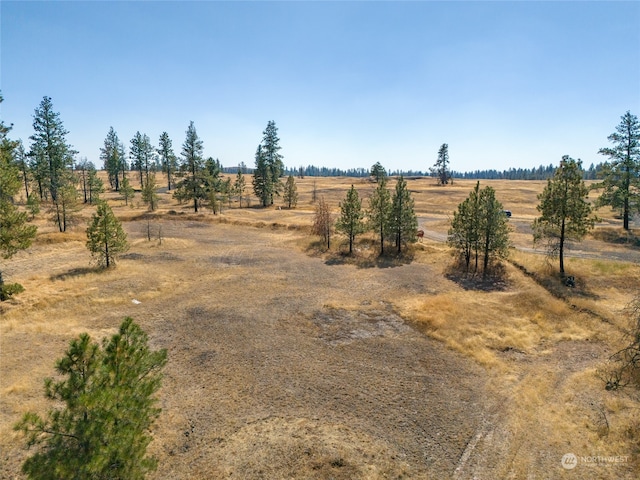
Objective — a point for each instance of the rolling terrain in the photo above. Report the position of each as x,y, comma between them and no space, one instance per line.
286,361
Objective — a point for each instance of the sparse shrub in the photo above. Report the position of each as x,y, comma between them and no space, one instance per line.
9,289
624,367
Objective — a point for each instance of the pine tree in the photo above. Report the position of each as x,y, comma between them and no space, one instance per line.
191,186
126,190
141,154
379,211
290,192
441,168
64,211
262,182
95,185
378,172
403,222
15,234
49,141
494,228
565,211
464,233
273,159
113,156
106,407
621,177
105,237
351,219
23,165
149,193
82,167
239,186
167,158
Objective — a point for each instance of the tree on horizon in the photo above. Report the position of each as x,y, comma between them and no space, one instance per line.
441,168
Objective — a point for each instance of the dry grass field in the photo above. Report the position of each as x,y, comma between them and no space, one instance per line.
287,361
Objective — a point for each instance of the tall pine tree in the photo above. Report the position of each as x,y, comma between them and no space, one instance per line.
351,219
441,168
191,186
167,158
621,177
565,213
379,211
113,157
403,222
262,178
15,233
49,140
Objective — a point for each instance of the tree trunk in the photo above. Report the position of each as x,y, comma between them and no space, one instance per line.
562,248
486,256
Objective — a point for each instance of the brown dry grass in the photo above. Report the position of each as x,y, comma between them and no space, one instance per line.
286,361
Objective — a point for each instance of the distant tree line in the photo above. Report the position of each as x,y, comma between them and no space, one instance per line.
543,172
540,173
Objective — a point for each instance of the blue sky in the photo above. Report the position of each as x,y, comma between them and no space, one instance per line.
505,84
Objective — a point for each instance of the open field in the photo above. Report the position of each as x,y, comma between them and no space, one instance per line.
286,361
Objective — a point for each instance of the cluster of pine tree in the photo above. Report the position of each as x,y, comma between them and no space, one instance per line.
392,217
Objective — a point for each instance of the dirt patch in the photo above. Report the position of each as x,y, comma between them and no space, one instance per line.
339,326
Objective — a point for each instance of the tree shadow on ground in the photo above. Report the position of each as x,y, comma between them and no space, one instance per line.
495,281
75,272
371,261
617,236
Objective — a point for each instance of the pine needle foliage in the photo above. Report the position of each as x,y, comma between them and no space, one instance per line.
621,176
105,237
15,233
565,211
351,220
403,222
290,196
106,405
379,211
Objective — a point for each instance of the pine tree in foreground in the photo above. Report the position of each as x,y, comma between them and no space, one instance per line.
105,237
15,233
106,406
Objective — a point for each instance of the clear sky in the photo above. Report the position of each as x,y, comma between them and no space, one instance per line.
505,84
